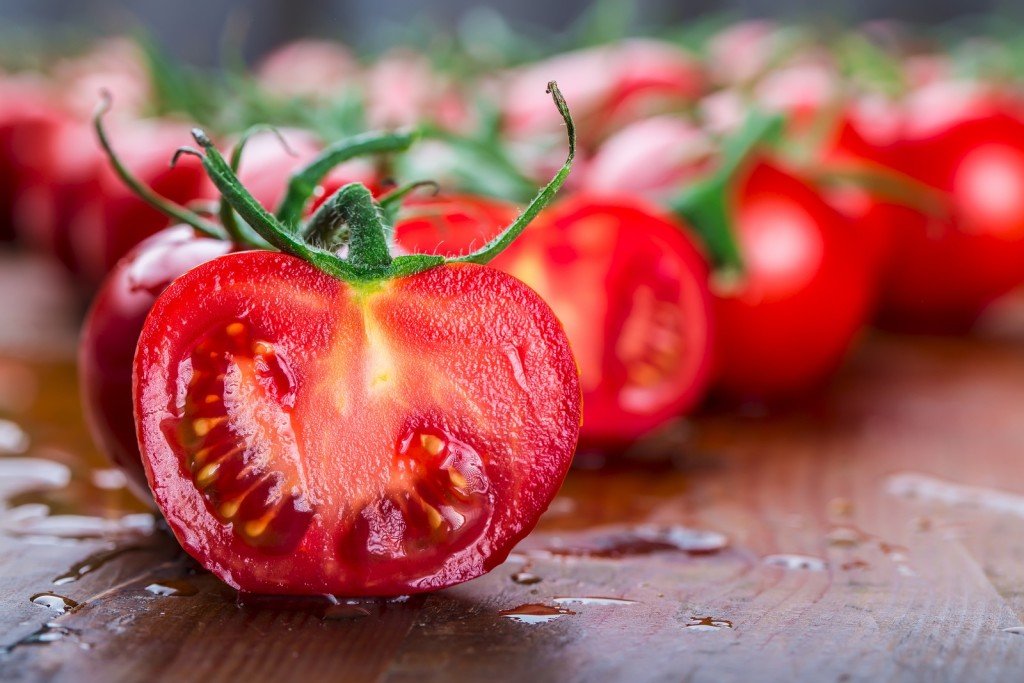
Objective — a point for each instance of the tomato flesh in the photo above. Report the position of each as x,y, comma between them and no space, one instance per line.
305,436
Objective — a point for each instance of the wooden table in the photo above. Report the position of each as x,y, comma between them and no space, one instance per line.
876,534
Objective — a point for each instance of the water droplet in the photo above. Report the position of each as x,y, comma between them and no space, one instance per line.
801,562
344,612
1015,630
904,570
708,624
526,578
644,540
49,632
928,488
92,563
594,600
172,588
54,602
845,537
13,439
34,521
111,479
535,613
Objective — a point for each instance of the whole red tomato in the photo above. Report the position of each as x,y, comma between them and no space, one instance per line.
308,69
969,161
625,281
28,113
48,202
804,293
111,331
650,158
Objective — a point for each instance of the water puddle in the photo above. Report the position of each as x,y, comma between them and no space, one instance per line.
708,624
933,489
535,613
797,562
55,603
93,563
641,540
593,600
172,588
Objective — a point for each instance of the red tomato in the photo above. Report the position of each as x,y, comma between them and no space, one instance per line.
111,331
607,86
803,295
652,158
28,112
951,263
451,224
303,435
113,219
308,68
403,89
744,50
627,284
48,201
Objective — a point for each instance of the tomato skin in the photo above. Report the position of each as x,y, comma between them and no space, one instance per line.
111,331
357,368
628,285
805,293
307,69
28,112
49,201
651,158
451,224
950,264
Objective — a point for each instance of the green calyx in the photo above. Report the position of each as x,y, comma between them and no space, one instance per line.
705,205
349,237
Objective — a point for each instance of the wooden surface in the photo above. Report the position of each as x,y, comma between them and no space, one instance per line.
875,535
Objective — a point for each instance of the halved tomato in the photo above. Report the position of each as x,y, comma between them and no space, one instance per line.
303,434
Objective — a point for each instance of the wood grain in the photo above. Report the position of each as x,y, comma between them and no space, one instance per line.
897,497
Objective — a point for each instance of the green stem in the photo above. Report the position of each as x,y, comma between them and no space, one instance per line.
305,181
262,221
497,245
353,207
165,206
392,201
228,219
705,204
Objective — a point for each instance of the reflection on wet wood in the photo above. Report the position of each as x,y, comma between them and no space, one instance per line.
876,534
